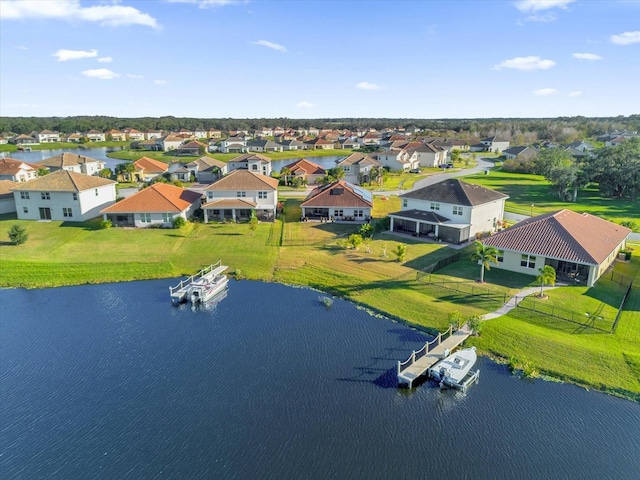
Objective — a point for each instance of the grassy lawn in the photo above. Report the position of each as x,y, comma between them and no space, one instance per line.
526,190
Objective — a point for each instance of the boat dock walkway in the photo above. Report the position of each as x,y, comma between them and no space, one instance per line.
421,360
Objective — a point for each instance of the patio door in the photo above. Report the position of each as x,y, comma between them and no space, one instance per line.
45,213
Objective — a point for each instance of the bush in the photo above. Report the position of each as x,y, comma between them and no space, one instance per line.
104,224
18,234
179,222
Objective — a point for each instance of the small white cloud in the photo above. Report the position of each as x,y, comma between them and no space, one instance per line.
546,18
132,75
537,5
546,92
23,47
160,82
526,64
101,73
305,104
587,56
626,38
368,86
274,46
64,55
105,59
576,93
207,3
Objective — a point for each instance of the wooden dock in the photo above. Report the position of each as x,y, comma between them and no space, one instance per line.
421,360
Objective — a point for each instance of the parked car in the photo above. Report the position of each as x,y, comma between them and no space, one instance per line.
446,165
415,170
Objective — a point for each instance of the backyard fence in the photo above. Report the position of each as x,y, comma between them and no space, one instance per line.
624,299
594,320
434,267
620,279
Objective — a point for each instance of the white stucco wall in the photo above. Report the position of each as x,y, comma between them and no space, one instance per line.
88,205
268,203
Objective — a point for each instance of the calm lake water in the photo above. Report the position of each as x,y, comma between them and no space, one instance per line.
325,162
112,382
36,156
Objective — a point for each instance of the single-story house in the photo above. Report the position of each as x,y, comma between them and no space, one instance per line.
73,163
264,146
239,194
254,162
7,202
319,144
452,210
64,195
159,204
17,170
310,172
191,148
339,201
580,247
23,139
148,168
292,144
523,152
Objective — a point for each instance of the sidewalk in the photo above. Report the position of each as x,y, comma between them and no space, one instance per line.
513,302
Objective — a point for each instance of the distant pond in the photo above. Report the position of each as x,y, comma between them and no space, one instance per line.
100,153
111,381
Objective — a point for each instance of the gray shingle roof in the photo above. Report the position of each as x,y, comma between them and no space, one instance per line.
455,192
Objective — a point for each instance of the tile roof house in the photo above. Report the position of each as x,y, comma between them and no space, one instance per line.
148,168
452,211
254,162
358,167
339,201
580,247
206,169
17,170
47,136
169,142
95,136
191,148
159,204
116,135
64,195
7,202
234,144
308,171
239,194
73,163
74,137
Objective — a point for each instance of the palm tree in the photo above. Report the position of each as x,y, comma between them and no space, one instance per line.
547,275
485,255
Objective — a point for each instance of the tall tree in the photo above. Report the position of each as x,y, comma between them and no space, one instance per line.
485,255
617,169
547,275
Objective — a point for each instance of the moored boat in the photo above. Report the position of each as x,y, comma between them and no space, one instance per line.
455,369
200,287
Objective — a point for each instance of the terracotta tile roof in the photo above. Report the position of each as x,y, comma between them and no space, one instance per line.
424,215
11,166
5,188
158,198
64,181
67,159
358,158
305,166
230,203
245,157
318,141
455,192
563,235
339,194
244,180
193,144
150,165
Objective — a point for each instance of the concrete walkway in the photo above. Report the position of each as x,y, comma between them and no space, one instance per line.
513,302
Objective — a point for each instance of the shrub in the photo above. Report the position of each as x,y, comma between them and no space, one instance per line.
104,224
18,234
179,222
475,324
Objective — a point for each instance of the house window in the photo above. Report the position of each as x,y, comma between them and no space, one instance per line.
96,190
67,212
45,195
435,206
75,196
254,167
166,218
25,210
210,195
358,213
405,202
338,213
24,195
500,256
145,217
241,194
457,210
528,261
262,195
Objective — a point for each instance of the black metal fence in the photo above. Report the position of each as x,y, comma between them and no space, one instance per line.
594,320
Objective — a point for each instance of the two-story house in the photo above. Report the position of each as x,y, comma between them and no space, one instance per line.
254,162
398,160
234,144
47,136
452,211
95,136
358,168
239,194
17,170
64,195
73,163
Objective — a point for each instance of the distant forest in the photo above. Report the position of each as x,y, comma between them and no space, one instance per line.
517,130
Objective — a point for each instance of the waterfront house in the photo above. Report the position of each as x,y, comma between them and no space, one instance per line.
95,136
206,169
239,194
254,162
580,247
47,136
148,168
292,145
7,202
74,137
23,139
304,169
158,204
64,195
18,170
358,167
339,201
264,146
152,134
169,142
452,211
115,135
319,144
73,163
134,135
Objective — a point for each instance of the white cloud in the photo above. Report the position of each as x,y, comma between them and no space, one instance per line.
160,82
626,38
132,75
576,93
101,73
112,15
208,3
546,18
545,92
537,5
274,46
368,86
527,64
64,55
23,47
305,104
105,59
587,56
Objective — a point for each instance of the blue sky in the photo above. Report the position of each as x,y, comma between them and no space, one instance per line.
317,59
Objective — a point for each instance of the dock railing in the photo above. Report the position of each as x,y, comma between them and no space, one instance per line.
428,346
195,277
